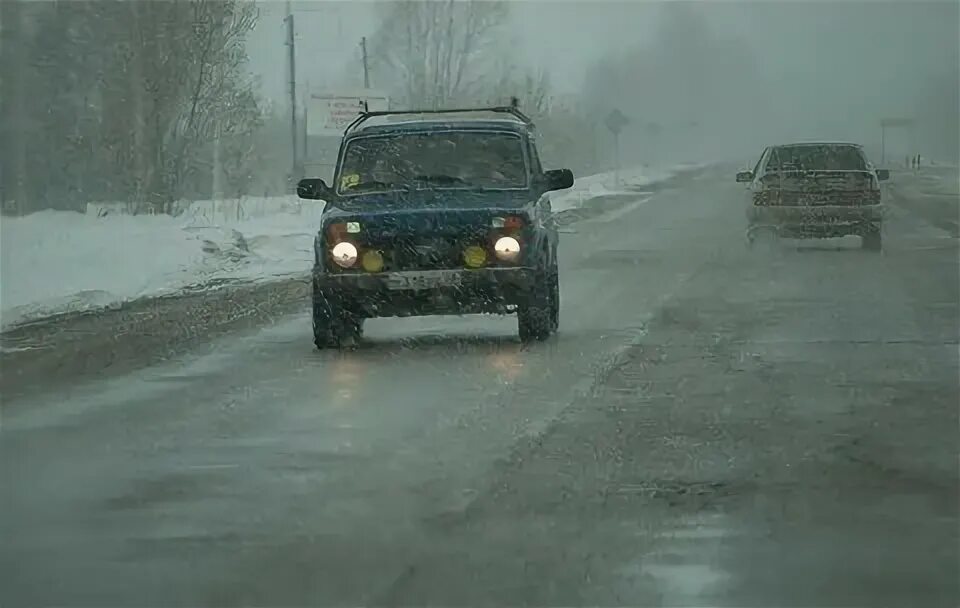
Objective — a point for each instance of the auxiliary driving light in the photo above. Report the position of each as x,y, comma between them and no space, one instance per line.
507,249
344,254
474,256
372,261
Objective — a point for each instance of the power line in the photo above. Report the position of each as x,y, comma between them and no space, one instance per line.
292,66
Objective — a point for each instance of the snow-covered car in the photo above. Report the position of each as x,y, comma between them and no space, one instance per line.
815,190
436,213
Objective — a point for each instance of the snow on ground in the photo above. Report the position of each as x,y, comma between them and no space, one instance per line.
59,261
604,184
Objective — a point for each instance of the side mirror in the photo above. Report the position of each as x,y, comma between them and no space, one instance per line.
745,176
558,179
313,188
883,174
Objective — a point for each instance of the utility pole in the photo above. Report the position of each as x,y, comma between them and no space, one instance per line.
14,122
366,66
616,158
292,67
216,187
883,143
615,122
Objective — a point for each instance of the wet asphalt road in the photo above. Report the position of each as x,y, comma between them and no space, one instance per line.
712,426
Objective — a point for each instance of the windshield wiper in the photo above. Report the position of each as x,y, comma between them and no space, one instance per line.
449,180
439,179
376,185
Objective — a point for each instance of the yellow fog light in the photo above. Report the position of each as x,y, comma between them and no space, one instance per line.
474,256
372,261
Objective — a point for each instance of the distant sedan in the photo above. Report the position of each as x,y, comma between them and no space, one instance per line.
815,190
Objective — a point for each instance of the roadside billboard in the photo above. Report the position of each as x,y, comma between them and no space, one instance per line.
328,114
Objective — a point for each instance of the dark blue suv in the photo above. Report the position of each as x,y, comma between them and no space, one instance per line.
436,212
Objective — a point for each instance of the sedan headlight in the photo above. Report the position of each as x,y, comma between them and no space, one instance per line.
507,249
344,254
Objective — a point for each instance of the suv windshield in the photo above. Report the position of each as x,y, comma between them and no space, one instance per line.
445,159
817,158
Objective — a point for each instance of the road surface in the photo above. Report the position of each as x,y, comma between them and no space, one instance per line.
711,426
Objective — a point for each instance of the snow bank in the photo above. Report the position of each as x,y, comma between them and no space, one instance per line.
59,261
604,184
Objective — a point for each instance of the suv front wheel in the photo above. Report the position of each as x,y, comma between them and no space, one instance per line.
333,327
539,315
872,239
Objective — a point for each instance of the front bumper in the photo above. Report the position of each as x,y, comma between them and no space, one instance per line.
415,293
826,220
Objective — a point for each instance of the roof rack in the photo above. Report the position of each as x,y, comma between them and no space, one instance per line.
512,109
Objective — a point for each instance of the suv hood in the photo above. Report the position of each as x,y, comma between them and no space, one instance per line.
435,213
433,199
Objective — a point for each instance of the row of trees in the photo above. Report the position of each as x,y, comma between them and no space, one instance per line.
151,102
146,102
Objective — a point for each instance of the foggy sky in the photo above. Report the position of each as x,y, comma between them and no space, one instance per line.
553,35
847,64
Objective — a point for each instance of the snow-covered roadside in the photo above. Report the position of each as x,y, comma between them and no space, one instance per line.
938,180
604,184
56,261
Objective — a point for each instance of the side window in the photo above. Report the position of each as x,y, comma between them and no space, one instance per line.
763,157
773,161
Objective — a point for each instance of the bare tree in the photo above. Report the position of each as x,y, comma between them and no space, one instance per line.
434,53
13,123
134,93
531,87
197,88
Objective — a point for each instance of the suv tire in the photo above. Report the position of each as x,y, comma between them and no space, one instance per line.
539,315
332,328
761,237
872,240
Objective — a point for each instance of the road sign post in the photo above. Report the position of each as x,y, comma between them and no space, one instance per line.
328,114
616,159
616,121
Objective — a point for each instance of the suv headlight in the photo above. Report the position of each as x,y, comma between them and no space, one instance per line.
344,254
507,249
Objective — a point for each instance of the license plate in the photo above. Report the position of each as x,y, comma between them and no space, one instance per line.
424,280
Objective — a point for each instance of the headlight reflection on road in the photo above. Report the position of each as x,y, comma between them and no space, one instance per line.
506,362
345,378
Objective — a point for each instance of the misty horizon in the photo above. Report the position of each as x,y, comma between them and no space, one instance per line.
794,69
